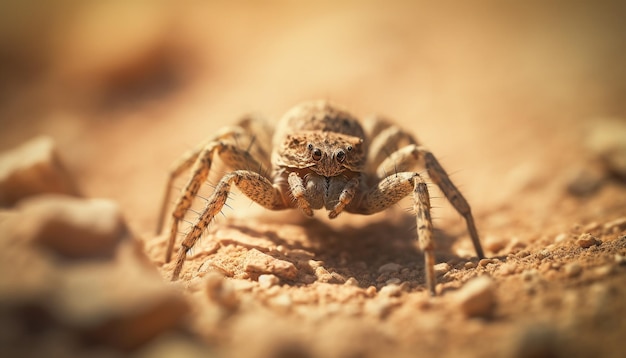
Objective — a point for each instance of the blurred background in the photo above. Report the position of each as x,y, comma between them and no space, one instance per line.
502,92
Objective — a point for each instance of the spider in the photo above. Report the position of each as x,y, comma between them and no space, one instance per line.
321,157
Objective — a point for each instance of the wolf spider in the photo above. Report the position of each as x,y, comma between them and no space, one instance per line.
321,158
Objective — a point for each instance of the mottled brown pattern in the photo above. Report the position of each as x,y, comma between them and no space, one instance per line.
321,158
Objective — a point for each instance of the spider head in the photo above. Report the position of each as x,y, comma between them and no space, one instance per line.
325,153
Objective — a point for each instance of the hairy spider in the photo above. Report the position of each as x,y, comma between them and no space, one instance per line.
321,157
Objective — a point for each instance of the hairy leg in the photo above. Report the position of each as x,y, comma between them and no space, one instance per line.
227,147
392,189
411,155
386,138
254,185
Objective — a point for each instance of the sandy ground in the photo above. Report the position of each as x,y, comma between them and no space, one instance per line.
523,104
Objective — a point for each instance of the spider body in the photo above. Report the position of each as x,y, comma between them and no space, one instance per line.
322,157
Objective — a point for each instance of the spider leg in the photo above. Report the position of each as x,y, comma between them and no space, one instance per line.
412,154
392,189
386,139
202,159
254,185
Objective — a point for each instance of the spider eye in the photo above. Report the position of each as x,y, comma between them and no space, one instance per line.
310,146
317,154
341,156
349,148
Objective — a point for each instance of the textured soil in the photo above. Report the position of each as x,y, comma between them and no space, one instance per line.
523,105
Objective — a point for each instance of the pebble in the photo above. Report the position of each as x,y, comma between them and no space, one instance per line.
469,265
379,308
389,267
442,268
508,268
477,297
495,244
573,269
71,227
587,240
393,281
220,291
351,281
282,301
530,275
258,262
615,225
117,303
485,262
322,274
31,169
620,259
561,237
391,290
267,281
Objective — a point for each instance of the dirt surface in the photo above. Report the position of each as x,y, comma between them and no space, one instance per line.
523,105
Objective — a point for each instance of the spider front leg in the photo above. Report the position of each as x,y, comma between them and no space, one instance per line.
392,189
252,184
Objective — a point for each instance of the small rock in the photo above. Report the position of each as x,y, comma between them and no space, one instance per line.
379,308
561,237
282,301
508,268
393,281
391,290
495,244
267,281
620,259
389,267
71,227
322,274
530,275
120,304
469,265
220,291
31,169
477,297
258,262
442,268
615,225
484,262
587,240
573,269
337,278
352,282
370,291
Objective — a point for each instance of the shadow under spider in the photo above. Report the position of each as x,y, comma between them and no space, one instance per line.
358,249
